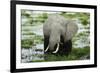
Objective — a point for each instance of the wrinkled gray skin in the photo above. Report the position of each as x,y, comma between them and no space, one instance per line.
57,25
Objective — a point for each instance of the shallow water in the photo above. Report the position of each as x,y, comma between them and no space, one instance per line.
30,54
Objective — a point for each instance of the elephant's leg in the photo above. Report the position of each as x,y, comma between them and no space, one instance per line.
67,47
46,43
61,47
60,51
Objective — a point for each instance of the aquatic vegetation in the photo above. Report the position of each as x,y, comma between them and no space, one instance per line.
32,34
76,54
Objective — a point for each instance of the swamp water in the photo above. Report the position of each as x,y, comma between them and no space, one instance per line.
31,31
35,53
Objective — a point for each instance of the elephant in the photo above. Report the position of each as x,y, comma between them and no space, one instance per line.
58,33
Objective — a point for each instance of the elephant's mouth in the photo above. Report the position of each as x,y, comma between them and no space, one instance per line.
55,51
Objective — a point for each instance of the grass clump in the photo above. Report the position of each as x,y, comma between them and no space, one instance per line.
76,54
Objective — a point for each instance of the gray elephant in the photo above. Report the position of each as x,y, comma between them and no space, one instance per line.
58,34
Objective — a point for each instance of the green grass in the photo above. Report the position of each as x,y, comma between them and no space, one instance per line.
76,54
38,61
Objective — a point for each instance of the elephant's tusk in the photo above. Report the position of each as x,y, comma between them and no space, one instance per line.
46,49
56,49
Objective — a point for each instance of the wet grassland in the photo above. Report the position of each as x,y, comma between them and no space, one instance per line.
32,37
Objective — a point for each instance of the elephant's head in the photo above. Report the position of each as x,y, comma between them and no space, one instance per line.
54,41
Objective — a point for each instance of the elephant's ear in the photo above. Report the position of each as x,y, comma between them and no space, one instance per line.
71,30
